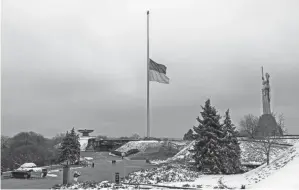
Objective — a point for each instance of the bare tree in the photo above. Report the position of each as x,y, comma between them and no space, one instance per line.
102,137
266,143
248,125
280,120
135,136
4,142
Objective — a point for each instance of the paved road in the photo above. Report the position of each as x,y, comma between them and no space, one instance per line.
103,170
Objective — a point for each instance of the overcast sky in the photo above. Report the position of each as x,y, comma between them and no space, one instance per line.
82,63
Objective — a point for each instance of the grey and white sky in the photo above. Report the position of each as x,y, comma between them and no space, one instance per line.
82,63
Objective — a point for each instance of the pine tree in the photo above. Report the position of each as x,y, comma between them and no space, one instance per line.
65,148
189,135
70,148
232,151
75,146
207,151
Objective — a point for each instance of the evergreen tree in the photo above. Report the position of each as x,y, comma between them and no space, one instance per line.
189,135
65,148
75,146
232,151
70,148
208,150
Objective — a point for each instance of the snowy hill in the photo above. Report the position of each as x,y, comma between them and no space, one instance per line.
284,167
250,153
140,145
278,175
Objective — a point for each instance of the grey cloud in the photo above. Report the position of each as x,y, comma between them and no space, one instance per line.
84,64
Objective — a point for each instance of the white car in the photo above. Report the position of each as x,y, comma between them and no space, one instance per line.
30,169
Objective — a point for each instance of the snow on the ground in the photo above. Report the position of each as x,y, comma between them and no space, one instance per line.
140,145
84,142
110,154
283,167
165,173
288,141
250,153
184,153
157,162
51,175
281,173
104,185
286,178
54,171
73,168
180,142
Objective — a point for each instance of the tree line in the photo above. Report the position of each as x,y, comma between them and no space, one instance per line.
27,147
33,147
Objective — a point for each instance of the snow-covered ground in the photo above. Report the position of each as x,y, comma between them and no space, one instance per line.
84,142
250,153
162,174
271,175
140,145
280,174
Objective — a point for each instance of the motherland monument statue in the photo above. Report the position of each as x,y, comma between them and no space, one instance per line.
267,125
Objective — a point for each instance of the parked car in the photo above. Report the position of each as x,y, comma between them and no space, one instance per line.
28,170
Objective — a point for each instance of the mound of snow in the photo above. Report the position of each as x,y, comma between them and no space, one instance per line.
250,153
279,174
53,171
84,142
184,152
140,145
290,181
165,173
284,166
51,175
88,158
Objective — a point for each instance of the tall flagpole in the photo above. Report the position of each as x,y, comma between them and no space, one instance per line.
148,62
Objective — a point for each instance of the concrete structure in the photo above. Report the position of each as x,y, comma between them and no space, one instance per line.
107,144
85,132
267,125
84,138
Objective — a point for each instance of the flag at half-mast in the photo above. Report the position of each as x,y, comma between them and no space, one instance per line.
157,72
